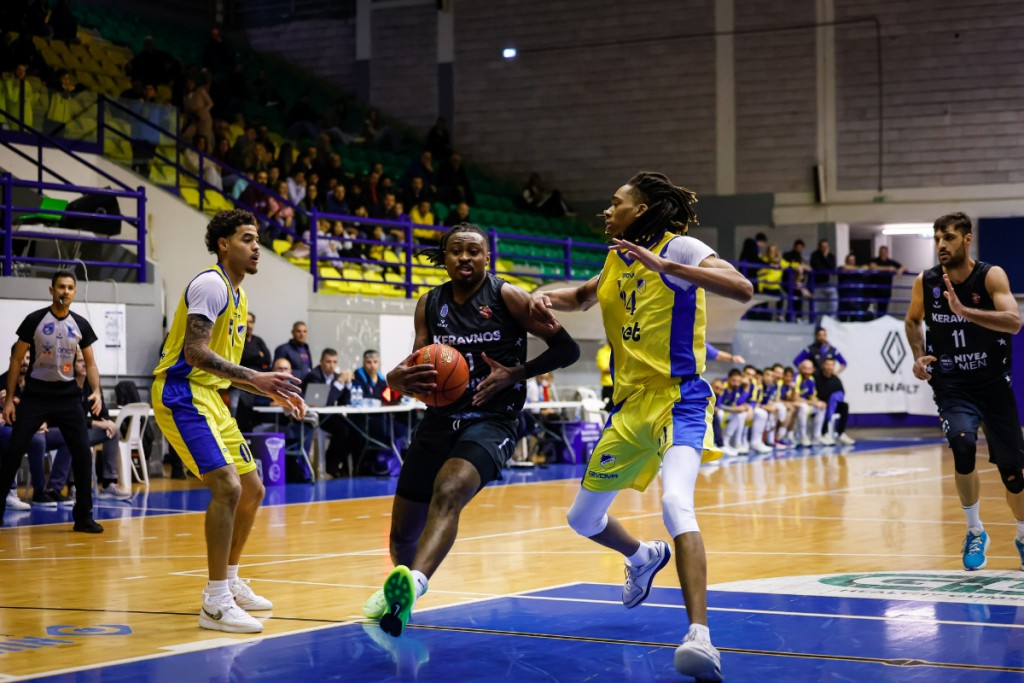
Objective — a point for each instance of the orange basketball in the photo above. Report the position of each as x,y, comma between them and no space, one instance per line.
452,374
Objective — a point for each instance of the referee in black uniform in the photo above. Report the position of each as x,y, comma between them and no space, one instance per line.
52,336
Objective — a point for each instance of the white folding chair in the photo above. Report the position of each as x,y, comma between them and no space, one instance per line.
137,414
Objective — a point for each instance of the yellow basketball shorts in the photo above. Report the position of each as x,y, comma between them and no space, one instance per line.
199,427
644,426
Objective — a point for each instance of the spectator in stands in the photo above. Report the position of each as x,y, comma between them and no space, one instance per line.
59,111
218,57
453,181
423,214
280,210
852,291
538,198
230,92
257,158
459,215
751,254
256,199
336,202
886,269
196,105
376,134
439,142
769,280
335,170
416,191
297,187
63,24
423,167
145,133
17,95
301,119
240,150
349,248
211,171
823,266
296,350
335,120
263,135
371,193
34,18
273,175
796,277
152,65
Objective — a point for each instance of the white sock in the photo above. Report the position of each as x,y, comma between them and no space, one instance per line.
701,631
217,589
232,571
1020,530
973,516
641,556
421,582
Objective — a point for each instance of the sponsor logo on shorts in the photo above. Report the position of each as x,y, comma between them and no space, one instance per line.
601,475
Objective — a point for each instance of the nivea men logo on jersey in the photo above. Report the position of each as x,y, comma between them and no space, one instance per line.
947,318
971,361
475,338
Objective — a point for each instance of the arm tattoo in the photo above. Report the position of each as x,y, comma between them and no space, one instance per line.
199,355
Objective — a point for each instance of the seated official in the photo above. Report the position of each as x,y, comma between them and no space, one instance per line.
339,393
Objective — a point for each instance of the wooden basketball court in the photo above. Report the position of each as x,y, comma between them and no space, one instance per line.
522,591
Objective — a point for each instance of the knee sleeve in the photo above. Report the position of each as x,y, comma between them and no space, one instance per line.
588,515
678,479
1013,478
678,513
965,449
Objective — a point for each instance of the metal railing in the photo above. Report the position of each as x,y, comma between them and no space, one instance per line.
852,295
9,183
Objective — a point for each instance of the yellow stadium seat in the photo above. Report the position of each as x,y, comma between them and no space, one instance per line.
214,201
281,246
190,195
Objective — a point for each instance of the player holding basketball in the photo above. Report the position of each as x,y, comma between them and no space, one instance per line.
200,356
651,291
969,316
459,448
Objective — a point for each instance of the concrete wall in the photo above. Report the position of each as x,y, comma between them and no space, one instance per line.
325,48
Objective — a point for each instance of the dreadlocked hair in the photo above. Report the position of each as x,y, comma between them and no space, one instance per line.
669,207
436,254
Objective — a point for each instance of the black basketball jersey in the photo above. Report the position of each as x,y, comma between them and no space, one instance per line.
481,325
967,354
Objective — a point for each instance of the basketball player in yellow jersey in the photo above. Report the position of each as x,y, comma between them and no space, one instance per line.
651,291
200,357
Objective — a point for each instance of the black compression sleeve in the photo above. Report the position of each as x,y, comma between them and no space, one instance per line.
562,352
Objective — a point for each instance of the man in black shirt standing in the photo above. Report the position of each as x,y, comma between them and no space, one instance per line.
970,316
829,388
52,336
887,269
826,296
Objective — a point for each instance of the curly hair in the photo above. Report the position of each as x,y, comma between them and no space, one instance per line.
669,207
436,254
224,224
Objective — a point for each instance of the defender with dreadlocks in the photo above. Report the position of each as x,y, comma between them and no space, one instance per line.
458,449
651,291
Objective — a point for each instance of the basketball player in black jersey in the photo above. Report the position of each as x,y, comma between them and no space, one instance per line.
970,316
458,449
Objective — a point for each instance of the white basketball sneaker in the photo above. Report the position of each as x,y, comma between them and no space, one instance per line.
698,658
15,503
222,614
639,579
246,598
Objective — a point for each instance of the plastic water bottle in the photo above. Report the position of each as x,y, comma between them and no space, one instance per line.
357,396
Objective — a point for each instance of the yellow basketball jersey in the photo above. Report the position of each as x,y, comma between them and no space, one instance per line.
655,326
227,339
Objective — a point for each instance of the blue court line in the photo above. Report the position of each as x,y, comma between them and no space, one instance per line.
519,639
